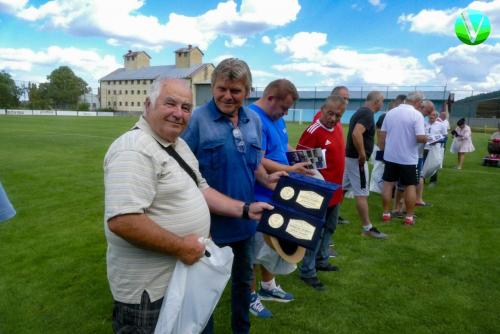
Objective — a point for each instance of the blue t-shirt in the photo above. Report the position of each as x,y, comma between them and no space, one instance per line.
274,146
228,170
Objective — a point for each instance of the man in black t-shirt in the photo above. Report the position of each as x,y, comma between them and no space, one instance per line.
360,141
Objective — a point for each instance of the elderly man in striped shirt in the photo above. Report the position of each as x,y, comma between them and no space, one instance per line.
156,207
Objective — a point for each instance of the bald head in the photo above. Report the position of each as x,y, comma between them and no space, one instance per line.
427,107
374,101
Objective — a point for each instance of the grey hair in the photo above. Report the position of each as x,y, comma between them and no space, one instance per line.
374,96
336,89
334,99
233,69
415,97
154,90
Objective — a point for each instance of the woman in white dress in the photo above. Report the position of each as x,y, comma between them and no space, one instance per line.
462,141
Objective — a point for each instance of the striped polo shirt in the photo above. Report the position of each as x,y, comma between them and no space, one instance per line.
140,177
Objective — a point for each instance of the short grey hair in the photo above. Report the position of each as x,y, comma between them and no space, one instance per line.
334,99
415,97
154,90
337,89
233,69
375,96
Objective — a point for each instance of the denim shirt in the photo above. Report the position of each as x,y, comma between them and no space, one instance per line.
226,169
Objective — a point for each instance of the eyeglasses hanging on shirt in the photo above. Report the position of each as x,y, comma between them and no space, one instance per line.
238,140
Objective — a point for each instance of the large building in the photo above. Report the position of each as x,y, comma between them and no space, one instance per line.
125,89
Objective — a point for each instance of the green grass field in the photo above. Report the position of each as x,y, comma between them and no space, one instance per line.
439,276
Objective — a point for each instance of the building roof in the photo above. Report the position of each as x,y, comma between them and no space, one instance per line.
188,49
135,53
153,72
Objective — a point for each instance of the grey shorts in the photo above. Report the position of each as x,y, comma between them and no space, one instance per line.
352,178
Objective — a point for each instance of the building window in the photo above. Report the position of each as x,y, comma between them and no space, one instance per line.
150,81
138,92
114,92
143,82
126,104
145,93
126,82
132,91
109,103
120,82
138,81
109,92
132,103
126,92
114,103
120,103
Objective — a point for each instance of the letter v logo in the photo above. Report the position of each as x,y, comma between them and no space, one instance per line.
472,27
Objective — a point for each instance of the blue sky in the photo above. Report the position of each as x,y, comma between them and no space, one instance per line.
312,43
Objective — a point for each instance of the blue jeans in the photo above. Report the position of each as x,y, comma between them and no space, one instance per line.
319,256
241,286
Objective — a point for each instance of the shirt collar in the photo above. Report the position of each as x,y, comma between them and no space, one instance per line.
144,126
216,114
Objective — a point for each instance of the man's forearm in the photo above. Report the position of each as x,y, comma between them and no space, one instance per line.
221,204
140,230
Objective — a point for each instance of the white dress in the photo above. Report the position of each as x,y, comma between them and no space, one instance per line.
462,144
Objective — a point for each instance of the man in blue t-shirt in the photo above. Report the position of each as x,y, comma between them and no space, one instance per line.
277,98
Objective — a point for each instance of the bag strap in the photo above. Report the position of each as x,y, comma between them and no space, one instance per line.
173,153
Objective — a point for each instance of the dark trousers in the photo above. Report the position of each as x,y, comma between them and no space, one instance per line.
136,318
241,286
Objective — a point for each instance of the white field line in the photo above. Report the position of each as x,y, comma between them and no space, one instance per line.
62,134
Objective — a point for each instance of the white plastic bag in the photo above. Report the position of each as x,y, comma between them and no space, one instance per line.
271,260
376,182
433,161
194,290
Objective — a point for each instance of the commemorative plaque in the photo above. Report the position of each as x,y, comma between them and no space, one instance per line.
300,204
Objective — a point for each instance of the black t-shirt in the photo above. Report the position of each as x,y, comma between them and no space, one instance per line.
380,121
363,116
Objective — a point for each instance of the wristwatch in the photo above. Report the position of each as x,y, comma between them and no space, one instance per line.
246,208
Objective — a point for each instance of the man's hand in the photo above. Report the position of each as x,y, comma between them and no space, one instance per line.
256,209
272,179
301,167
192,250
362,159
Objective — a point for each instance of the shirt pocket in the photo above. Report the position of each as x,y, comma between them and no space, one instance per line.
254,155
212,155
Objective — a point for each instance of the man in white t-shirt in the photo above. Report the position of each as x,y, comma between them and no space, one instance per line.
403,129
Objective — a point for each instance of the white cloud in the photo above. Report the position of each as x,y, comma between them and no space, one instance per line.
303,45
12,6
348,65
235,42
220,58
127,25
442,22
27,64
468,67
266,40
379,5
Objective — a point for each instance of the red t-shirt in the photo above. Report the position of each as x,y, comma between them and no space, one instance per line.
316,135
316,117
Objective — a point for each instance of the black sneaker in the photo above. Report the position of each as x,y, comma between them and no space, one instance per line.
314,282
374,233
327,267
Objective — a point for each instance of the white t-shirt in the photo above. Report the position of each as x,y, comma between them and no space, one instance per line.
436,128
402,126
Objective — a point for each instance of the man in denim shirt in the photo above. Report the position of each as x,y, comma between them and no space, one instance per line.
226,139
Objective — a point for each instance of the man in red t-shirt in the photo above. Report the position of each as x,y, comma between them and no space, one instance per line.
325,133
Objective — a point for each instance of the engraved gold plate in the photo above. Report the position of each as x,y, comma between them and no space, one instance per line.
276,220
310,199
300,229
287,193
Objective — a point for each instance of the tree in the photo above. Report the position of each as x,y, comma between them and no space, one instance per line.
9,92
65,88
39,96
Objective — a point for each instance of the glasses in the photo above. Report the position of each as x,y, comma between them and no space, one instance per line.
238,140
